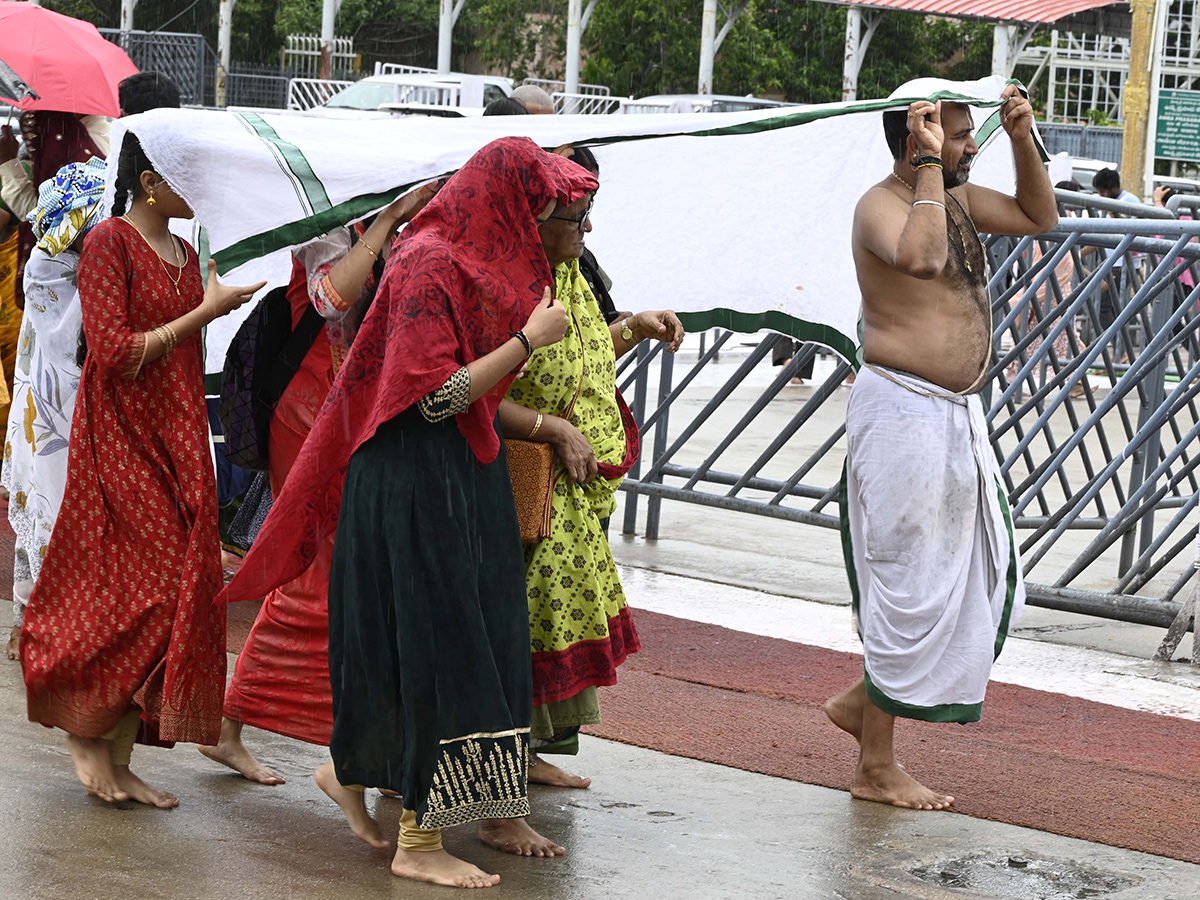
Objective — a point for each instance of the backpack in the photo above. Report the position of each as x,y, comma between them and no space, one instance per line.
261,360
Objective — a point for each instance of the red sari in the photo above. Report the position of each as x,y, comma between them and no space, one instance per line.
281,680
123,610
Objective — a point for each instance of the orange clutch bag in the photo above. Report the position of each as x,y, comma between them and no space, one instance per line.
531,468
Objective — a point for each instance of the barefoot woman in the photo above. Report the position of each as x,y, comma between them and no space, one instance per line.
933,566
581,627
281,680
428,625
122,639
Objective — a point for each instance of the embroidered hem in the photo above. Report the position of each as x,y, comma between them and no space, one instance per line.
479,776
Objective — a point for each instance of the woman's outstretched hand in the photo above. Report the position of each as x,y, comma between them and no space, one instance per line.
223,299
659,325
548,322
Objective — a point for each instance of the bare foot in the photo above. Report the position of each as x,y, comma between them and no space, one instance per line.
542,772
846,710
14,642
93,765
141,792
395,795
516,837
353,805
230,751
891,784
439,867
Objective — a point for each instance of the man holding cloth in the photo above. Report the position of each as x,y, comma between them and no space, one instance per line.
933,565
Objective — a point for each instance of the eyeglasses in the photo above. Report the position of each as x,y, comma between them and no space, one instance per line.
577,221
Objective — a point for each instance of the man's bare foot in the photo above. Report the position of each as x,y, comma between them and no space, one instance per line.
141,792
891,784
439,867
353,805
846,711
516,837
93,766
230,751
14,642
542,772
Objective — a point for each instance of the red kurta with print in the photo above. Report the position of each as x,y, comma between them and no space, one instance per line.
123,609
281,680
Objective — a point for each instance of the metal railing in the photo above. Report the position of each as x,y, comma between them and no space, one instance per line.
184,57
586,104
1093,398
382,68
255,88
560,87
302,55
1087,141
305,93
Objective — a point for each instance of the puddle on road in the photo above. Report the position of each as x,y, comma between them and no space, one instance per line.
1021,878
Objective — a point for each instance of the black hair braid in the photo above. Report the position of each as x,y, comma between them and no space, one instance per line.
130,165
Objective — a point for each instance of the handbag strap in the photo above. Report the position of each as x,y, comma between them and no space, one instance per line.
582,369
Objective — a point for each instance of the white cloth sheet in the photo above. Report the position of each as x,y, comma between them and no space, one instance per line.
712,195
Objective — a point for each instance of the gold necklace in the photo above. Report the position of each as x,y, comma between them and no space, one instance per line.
174,249
957,231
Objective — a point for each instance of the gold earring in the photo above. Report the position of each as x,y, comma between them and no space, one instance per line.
150,201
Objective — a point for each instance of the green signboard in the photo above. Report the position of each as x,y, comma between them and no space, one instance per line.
1178,134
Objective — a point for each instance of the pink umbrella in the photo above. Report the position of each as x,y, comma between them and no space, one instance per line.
65,61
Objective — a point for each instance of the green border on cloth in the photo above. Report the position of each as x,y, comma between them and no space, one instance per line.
750,322
961,713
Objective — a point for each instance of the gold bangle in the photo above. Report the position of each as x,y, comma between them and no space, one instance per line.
174,337
368,248
167,335
536,427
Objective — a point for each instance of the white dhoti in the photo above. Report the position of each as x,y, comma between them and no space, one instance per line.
927,533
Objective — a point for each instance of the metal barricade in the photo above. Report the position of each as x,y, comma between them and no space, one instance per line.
560,87
184,57
1093,398
586,104
253,89
305,93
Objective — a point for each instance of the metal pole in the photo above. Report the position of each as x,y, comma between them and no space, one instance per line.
1001,47
445,32
654,502
1136,103
574,33
1158,48
328,16
853,60
224,40
708,46
127,8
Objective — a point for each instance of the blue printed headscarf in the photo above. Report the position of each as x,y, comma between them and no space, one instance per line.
68,204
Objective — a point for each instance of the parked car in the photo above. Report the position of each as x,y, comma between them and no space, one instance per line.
384,93
686,103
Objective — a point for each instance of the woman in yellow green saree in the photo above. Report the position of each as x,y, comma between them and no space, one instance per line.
581,627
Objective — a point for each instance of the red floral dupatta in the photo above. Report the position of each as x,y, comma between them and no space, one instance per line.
466,272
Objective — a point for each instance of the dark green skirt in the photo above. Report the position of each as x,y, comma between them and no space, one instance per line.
429,627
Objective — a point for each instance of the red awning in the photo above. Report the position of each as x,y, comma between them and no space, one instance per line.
1040,11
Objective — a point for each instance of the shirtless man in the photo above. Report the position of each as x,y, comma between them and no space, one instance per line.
933,567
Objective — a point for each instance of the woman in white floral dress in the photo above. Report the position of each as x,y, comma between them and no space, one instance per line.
47,375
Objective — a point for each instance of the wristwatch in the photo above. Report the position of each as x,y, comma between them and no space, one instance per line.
626,332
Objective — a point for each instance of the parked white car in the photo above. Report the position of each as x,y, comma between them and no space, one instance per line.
389,94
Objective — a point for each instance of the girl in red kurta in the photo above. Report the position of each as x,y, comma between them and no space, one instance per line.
121,639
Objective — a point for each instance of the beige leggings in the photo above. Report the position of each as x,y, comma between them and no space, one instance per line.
123,735
412,837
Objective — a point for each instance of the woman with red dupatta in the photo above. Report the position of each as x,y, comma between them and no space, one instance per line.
428,621
122,640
